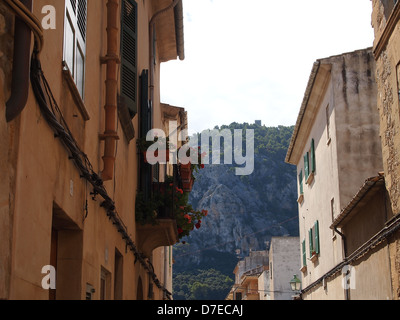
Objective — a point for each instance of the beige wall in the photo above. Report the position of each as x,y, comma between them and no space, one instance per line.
344,159
46,179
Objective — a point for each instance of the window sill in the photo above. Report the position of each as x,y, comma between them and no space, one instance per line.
310,178
300,199
75,93
314,258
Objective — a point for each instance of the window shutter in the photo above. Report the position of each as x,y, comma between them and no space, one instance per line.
310,238
303,245
312,156
316,237
306,166
145,113
129,55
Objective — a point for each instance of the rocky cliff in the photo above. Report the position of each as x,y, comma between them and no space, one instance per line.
244,211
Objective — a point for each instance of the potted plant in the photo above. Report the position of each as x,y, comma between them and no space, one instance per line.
188,170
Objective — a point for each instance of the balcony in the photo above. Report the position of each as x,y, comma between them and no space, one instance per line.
156,209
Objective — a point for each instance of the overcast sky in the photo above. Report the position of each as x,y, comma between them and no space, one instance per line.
251,60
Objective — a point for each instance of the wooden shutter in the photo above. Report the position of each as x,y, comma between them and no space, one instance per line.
145,111
129,55
146,172
303,250
312,156
310,238
316,237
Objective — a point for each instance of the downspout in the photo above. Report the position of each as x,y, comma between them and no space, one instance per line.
152,24
346,291
21,66
111,60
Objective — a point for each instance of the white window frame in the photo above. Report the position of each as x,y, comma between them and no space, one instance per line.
75,43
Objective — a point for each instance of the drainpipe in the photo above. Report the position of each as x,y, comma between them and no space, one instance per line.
346,291
21,65
111,60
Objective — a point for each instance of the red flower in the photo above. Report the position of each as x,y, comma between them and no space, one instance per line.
198,225
180,231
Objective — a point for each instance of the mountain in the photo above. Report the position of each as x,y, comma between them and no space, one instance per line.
244,211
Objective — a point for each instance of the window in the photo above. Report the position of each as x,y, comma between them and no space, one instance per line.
313,234
105,284
303,252
301,182
129,56
312,156
309,163
301,189
328,122
333,214
388,7
75,41
398,80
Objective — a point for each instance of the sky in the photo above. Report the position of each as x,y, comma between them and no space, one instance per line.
251,60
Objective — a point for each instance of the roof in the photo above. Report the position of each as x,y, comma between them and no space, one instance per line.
365,193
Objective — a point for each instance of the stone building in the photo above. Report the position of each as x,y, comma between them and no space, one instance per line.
69,164
342,206
386,22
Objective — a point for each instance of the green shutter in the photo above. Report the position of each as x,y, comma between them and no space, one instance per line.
312,156
310,238
129,56
303,245
306,166
316,237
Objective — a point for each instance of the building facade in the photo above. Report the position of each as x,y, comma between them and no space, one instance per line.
284,263
69,166
385,21
336,149
266,275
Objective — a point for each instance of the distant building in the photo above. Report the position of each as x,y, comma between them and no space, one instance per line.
283,265
265,275
342,213
258,123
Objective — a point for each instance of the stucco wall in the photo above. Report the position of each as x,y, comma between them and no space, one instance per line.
344,159
284,259
47,179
